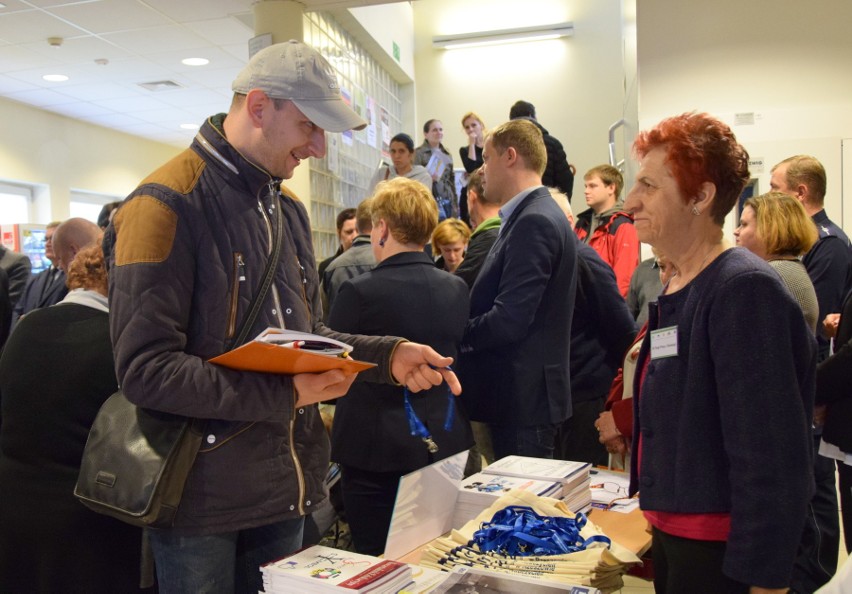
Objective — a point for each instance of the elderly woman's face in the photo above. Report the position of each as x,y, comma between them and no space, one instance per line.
656,202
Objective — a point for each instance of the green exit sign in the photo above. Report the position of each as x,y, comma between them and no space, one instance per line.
395,51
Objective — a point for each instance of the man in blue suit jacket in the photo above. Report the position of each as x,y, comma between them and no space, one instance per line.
516,345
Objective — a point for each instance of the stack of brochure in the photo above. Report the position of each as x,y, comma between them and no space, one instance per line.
478,491
319,569
574,477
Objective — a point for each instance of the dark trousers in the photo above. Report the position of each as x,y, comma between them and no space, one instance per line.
368,498
687,566
816,558
844,473
536,441
577,438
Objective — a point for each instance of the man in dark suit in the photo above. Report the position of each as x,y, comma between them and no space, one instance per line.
48,286
557,171
516,345
17,267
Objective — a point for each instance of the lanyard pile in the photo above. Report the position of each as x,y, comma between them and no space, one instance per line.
419,429
518,531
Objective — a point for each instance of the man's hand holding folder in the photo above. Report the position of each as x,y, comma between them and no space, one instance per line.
322,369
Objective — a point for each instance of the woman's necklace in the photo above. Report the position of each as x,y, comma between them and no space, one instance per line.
684,281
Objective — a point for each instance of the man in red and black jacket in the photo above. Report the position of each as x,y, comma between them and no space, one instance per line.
607,228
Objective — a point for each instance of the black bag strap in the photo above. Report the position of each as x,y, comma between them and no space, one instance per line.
268,276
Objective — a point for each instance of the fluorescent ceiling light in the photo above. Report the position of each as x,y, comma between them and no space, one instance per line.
502,36
190,126
195,61
55,77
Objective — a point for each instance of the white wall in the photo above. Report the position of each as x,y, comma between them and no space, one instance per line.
576,83
787,63
38,147
375,21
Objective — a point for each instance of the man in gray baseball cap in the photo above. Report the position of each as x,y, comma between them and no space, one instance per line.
188,251
297,72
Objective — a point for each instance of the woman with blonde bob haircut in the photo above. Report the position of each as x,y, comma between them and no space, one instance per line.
775,227
409,210
380,431
449,240
782,225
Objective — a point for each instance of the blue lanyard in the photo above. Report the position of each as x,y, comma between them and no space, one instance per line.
518,531
417,427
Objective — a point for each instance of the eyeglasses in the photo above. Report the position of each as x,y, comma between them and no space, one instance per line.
610,487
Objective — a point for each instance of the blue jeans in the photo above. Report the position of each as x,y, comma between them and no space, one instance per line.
221,563
536,441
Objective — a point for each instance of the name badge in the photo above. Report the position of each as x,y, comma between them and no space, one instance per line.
664,343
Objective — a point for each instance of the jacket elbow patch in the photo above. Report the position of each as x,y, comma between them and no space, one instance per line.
145,230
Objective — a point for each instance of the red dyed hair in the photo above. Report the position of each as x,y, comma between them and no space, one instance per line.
699,148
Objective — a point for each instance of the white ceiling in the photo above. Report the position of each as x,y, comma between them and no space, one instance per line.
142,41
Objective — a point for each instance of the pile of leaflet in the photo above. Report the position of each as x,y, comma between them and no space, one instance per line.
574,477
479,491
598,565
319,569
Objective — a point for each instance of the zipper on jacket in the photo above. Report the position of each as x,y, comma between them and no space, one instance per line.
304,276
239,270
297,464
300,476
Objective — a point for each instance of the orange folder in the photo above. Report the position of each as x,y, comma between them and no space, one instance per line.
267,357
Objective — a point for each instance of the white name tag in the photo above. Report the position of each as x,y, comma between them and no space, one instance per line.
664,343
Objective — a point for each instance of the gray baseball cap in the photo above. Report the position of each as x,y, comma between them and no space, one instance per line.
297,72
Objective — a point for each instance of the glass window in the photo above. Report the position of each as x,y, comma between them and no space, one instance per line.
15,204
88,205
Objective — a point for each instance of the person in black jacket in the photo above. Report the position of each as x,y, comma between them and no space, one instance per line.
5,308
49,542
833,379
48,286
515,348
602,330
17,268
471,157
404,295
557,171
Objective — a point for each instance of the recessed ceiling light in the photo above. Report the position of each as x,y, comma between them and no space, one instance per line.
195,61
189,126
55,77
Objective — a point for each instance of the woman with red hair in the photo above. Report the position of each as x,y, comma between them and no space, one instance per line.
725,378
